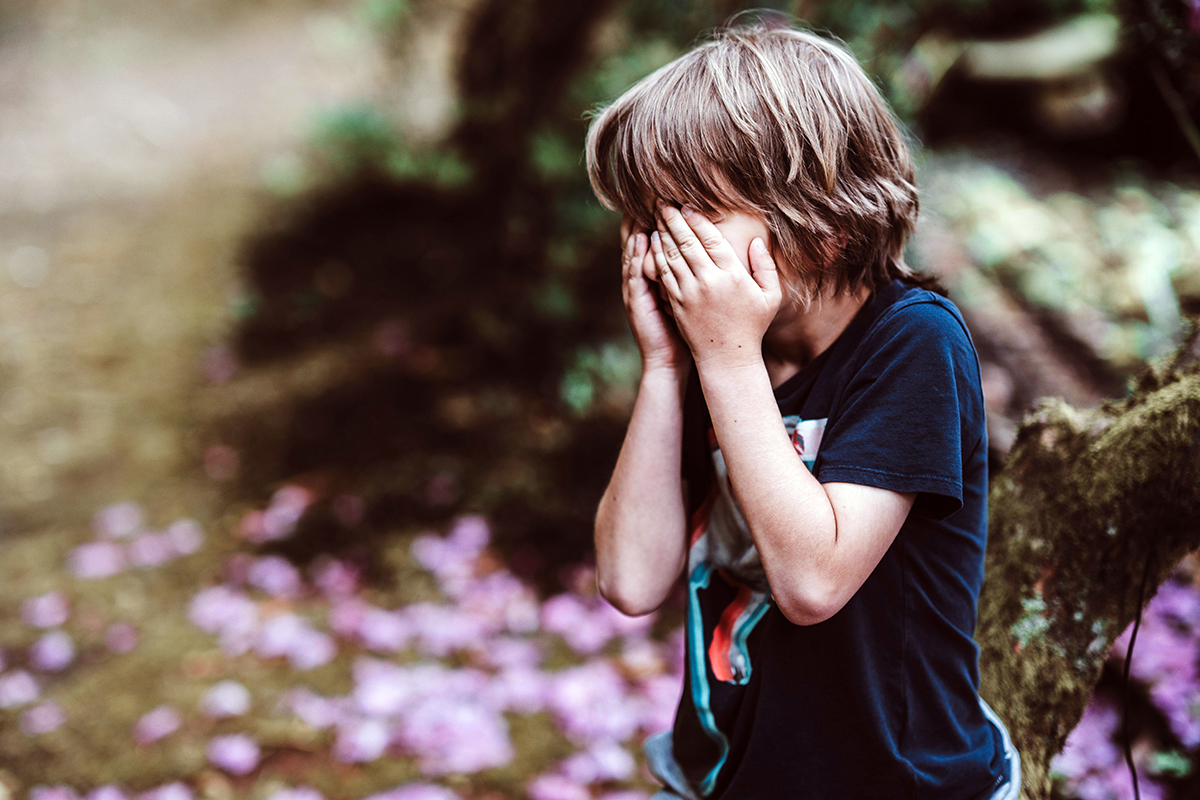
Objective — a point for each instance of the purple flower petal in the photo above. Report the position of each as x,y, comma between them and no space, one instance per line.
287,506
96,560
591,705
121,637
381,688
46,611
510,651
417,791
383,631
524,690
278,635
555,787
107,792
53,652
235,753
186,536
42,718
169,791
361,740
60,792
335,578
17,688
451,736
444,629
606,761
297,793
118,521
311,649
276,576
157,724
150,550
316,711
226,699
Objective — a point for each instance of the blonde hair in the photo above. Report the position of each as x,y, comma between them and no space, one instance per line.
776,122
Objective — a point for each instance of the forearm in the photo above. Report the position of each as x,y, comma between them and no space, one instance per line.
641,527
790,516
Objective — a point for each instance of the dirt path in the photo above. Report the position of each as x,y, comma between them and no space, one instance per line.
136,152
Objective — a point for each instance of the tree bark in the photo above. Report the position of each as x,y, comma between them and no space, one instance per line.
1092,511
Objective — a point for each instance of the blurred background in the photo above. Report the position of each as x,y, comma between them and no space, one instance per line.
313,368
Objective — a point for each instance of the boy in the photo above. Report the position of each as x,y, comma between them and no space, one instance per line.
831,508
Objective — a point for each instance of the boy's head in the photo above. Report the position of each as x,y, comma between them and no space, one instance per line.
775,122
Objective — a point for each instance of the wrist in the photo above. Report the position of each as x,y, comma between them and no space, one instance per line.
663,375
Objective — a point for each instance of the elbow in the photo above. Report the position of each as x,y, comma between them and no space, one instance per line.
809,605
626,599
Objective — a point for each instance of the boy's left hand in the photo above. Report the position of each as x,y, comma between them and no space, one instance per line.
721,309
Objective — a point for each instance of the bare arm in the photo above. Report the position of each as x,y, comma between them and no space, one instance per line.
641,528
818,542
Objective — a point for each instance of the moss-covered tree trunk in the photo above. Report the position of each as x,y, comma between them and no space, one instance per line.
1091,506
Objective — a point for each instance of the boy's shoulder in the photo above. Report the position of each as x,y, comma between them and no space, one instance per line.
911,312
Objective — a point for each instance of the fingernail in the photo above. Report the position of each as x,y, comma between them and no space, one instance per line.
759,245
654,237
688,211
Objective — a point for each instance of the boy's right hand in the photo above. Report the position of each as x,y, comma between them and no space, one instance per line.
657,338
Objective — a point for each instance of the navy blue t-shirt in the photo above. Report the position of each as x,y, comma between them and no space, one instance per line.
879,701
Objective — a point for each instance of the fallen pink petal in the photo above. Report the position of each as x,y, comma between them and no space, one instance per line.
17,688
53,793
556,787
157,724
226,699
107,792
53,652
118,521
176,790
121,637
49,610
296,793
42,718
150,550
185,536
235,753
276,576
96,560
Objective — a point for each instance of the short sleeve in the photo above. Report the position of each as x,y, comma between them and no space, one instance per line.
911,411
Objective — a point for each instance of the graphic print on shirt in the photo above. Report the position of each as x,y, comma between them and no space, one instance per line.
723,561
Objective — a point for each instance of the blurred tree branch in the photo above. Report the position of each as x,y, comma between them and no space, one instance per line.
1087,501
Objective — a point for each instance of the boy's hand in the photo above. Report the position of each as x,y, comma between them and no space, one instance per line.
656,336
722,310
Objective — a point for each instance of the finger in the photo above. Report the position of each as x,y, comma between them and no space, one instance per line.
666,274
715,245
628,255
679,238
673,259
762,268
626,227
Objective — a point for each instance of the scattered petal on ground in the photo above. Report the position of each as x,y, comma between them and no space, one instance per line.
226,699
118,521
556,787
157,724
42,718
107,792
96,560
121,637
53,793
235,753
53,652
17,688
49,610
297,793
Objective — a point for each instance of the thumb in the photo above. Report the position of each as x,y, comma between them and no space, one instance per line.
762,268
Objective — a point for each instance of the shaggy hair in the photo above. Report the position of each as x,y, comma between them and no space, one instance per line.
776,122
